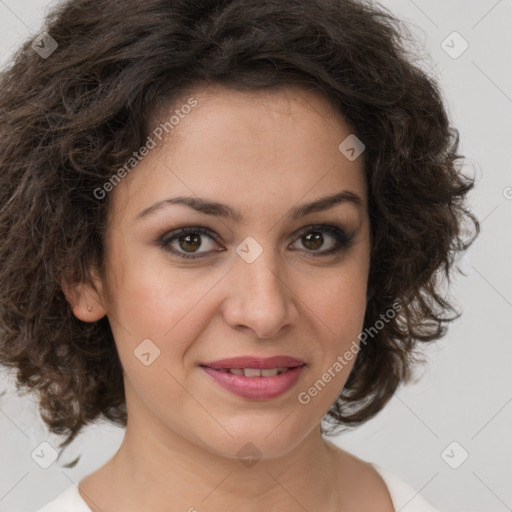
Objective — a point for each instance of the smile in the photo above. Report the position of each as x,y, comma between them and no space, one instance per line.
254,383
255,372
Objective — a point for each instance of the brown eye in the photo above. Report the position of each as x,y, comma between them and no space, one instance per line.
186,242
317,236
189,242
313,240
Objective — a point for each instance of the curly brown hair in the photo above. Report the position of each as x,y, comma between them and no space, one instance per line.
69,120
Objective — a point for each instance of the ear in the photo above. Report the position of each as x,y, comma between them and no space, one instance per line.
84,298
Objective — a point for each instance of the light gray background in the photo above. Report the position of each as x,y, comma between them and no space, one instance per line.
465,391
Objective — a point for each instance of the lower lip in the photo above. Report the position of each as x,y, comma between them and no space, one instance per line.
256,388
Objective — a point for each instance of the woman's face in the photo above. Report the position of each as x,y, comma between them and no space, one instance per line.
269,281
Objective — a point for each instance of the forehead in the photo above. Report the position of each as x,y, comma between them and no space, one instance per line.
260,112
253,148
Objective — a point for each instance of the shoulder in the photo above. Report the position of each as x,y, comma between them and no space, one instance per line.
67,501
378,486
405,498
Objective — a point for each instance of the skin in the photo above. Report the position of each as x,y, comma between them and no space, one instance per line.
263,153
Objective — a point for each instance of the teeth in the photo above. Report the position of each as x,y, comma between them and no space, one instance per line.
252,372
255,372
269,372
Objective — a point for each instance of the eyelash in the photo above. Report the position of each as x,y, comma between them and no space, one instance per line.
343,240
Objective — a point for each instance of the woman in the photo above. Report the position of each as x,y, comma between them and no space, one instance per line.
223,225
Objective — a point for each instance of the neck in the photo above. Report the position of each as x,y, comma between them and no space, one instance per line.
152,472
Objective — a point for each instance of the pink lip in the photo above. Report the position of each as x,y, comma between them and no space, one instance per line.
255,362
256,388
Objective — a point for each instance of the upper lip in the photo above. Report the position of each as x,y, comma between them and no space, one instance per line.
255,362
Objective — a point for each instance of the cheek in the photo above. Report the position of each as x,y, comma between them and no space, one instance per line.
339,300
337,309
167,306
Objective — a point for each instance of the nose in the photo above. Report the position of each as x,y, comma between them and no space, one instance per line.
260,298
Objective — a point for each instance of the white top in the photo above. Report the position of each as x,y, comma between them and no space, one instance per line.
404,497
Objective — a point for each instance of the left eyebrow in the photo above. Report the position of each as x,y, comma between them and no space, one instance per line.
223,210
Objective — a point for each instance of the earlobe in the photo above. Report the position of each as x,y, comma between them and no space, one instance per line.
84,300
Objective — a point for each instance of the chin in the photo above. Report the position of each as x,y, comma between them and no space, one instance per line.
256,440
